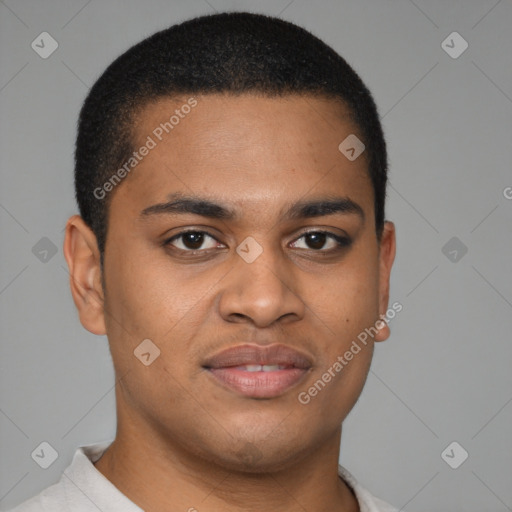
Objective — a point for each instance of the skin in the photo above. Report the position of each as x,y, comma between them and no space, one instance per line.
184,441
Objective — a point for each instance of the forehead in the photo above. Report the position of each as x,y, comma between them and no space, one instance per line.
250,150
240,121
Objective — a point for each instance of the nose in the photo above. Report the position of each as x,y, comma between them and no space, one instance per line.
262,292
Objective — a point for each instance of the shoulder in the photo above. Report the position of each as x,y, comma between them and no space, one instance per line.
79,488
367,502
52,499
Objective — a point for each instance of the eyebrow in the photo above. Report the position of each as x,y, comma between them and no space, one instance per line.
181,204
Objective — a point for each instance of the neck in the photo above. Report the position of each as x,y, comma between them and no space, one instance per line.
159,475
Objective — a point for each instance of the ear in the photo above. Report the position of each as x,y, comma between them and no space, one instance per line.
386,257
83,259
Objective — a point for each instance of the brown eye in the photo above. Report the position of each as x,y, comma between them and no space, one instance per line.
316,240
191,241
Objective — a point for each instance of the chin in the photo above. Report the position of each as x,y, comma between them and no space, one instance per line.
261,455
251,460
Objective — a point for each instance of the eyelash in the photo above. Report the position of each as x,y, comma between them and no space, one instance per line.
341,241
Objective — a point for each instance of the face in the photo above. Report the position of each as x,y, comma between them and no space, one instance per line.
250,295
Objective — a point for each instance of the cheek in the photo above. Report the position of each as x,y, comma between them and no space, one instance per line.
148,298
347,301
146,293
349,306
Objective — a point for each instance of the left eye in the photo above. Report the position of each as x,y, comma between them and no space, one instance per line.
317,240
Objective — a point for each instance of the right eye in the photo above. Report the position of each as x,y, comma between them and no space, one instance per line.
191,241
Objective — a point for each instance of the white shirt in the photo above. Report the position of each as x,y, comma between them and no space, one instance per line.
82,488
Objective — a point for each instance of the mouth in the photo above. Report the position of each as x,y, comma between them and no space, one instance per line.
258,372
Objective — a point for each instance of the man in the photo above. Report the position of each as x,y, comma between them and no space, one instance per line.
230,174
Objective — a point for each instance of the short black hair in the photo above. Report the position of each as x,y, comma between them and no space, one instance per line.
233,53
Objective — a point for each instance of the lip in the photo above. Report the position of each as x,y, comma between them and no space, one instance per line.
226,368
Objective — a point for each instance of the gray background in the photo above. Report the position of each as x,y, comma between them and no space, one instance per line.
443,376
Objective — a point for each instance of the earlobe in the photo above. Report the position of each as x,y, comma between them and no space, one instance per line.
83,259
386,258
